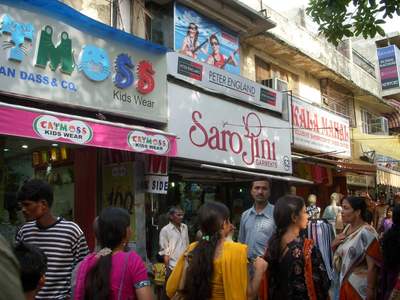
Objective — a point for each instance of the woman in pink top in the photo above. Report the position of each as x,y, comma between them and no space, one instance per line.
112,273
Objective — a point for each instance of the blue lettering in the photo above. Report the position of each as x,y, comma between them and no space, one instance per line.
31,77
123,77
45,80
64,84
23,75
71,87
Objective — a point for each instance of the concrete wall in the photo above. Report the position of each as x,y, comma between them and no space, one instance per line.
99,10
308,87
318,49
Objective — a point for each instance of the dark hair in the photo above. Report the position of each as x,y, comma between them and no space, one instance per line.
211,218
360,203
33,264
196,36
285,208
111,225
391,242
214,37
36,190
173,210
261,179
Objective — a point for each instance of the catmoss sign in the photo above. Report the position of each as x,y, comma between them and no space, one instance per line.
49,60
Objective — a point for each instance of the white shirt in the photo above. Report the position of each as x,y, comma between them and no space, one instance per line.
173,242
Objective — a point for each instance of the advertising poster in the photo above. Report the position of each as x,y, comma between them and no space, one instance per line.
388,68
205,40
118,189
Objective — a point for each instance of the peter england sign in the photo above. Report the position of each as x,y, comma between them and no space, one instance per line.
321,131
49,60
219,81
209,129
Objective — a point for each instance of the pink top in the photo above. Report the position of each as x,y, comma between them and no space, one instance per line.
135,275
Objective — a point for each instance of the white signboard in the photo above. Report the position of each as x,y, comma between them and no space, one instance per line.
220,81
156,184
321,131
213,130
49,60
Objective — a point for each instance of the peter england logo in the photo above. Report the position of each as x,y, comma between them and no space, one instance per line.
51,128
141,141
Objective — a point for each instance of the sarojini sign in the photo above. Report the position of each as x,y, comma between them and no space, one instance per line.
47,59
319,130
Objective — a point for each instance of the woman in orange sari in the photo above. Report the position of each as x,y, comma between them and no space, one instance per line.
213,268
357,253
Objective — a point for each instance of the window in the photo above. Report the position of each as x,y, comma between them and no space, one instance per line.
366,118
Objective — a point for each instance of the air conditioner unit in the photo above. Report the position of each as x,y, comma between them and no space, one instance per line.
276,84
379,126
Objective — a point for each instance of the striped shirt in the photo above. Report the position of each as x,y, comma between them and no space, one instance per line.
64,245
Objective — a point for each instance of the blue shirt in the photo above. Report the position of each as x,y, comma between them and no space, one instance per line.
256,229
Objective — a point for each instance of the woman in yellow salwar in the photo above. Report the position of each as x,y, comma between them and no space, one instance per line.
357,254
214,268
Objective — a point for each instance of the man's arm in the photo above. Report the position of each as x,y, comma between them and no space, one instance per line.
164,246
242,231
80,249
10,283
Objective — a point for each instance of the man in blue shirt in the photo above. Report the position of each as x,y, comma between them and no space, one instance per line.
257,223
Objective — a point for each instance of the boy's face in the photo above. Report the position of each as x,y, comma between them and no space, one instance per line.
33,210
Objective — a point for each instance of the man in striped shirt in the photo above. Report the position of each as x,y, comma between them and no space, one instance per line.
62,241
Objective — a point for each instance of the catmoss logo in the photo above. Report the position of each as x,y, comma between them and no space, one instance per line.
51,128
140,141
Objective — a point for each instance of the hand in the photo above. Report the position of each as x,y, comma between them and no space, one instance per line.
260,265
338,240
370,294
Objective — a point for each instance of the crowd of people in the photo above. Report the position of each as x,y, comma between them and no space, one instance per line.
274,257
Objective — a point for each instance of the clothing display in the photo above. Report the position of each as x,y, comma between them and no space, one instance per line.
321,232
313,211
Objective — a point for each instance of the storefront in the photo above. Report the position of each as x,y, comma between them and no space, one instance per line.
94,70
388,182
318,137
226,138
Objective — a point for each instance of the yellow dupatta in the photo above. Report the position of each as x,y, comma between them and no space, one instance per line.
234,271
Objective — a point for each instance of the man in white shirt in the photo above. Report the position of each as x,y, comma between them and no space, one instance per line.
174,238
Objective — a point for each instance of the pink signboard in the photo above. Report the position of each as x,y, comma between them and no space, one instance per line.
53,127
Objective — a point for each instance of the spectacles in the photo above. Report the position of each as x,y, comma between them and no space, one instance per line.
194,28
214,44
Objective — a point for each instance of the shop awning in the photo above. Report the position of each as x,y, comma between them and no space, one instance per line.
288,178
46,125
336,164
388,177
394,118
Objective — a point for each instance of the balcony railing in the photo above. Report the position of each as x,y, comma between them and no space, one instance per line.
364,63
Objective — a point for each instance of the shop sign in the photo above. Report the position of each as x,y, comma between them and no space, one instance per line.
318,130
219,81
51,128
58,127
49,60
389,63
156,184
141,141
360,180
214,130
205,40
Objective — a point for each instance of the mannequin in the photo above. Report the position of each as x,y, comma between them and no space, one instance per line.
312,210
333,212
380,210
